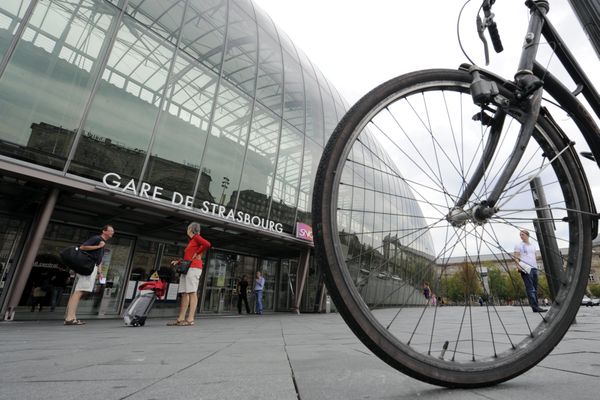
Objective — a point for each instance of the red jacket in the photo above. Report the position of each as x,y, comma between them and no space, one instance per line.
197,245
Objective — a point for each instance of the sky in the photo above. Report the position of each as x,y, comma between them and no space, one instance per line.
360,44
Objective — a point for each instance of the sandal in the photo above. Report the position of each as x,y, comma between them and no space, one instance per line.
74,322
174,323
183,323
190,323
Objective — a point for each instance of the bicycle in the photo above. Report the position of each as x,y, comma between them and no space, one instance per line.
438,170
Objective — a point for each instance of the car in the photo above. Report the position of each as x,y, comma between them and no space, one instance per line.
588,302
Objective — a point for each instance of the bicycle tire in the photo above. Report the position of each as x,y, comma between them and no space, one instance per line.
350,138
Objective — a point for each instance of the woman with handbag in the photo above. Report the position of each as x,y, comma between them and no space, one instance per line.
190,279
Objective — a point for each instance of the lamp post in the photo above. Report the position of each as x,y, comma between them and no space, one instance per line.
224,185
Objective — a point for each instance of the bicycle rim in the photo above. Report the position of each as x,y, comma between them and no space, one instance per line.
389,176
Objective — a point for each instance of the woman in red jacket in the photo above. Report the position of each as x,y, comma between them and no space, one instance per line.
188,283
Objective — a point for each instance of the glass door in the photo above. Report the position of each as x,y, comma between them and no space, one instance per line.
287,284
269,272
12,231
219,282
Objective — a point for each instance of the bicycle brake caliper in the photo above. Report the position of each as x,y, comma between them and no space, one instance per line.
482,91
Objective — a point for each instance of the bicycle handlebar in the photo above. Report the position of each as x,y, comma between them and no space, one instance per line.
489,22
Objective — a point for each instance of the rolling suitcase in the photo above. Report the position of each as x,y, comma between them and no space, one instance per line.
140,307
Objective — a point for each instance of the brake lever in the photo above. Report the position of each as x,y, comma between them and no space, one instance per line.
480,29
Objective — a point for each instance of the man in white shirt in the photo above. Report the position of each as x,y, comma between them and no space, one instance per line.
527,265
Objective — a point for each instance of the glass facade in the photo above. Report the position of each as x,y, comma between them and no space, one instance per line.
203,97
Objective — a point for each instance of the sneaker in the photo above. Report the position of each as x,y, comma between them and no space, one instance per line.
539,310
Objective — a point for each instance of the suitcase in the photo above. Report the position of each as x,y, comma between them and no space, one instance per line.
140,307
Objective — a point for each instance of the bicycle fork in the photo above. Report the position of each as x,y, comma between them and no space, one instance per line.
527,99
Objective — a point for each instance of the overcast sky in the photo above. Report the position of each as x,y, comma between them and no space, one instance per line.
359,44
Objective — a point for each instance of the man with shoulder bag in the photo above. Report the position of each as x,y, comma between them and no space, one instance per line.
94,246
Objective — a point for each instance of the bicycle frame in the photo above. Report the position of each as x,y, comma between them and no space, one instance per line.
528,89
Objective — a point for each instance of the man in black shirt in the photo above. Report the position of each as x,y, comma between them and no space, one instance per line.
95,247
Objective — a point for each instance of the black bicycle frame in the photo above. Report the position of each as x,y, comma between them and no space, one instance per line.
529,89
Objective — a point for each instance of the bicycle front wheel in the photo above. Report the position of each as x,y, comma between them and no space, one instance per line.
388,180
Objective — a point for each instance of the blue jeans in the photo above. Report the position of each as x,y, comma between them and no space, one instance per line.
259,305
55,296
531,282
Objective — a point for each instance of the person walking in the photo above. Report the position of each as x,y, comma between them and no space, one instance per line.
259,286
85,283
242,289
188,283
524,256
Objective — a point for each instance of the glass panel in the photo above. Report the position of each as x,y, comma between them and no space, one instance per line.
270,73
287,284
11,15
175,159
314,110
293,100
122,116
269,272
56,58
287,178
240,59
258,170
312,156
12,232
220,282
204,32
329,113
225,149
163,17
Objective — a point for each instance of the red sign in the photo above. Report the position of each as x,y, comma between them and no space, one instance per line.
304,231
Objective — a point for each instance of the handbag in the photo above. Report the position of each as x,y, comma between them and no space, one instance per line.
77,260
183,267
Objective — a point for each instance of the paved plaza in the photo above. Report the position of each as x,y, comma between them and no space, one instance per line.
277,356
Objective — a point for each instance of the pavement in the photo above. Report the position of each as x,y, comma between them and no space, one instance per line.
274,356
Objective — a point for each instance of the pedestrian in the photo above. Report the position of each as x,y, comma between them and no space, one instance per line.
38,294
480,301
259,286
433,299
85,283
527,265
188,282
242,289
58,283
426,290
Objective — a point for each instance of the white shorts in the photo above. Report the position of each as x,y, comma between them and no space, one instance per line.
85,283
189,282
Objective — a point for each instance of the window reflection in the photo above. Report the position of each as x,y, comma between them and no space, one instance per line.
59,49
11,15
240,59
259,167
269,87
287,178
123,113
312,156
225,148
293,100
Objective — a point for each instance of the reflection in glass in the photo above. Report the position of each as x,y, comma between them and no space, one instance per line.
293,100
124,109
259,167
11,15
55,59
269,88
312,156
204,32
225,148
287,178
240,59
